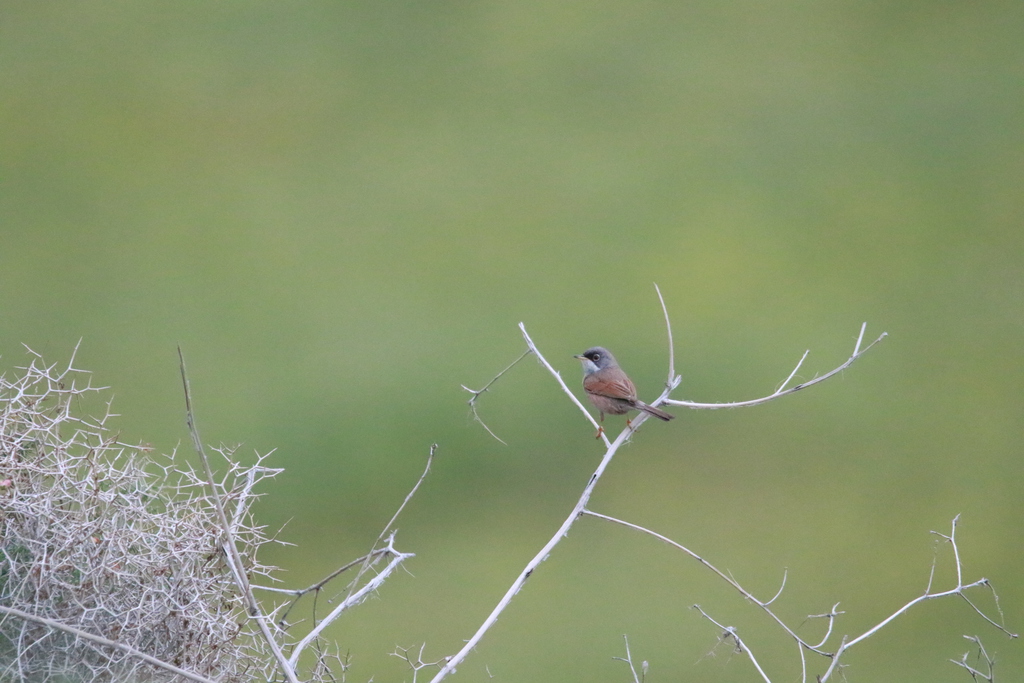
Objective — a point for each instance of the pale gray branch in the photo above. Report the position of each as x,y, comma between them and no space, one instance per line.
477,393
394,517
85,635
628,659
229,545
782,391
672,379
357,597
763,604
730,632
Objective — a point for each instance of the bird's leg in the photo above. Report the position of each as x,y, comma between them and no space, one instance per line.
600,427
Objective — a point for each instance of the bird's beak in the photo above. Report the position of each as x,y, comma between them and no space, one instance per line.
579,357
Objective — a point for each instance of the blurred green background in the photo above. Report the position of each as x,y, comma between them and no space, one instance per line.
342,210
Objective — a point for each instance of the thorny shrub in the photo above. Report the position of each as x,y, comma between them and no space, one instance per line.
107,538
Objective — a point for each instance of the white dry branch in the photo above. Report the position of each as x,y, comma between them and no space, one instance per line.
782,390
373,584
416,663
612,447
958,590
729,633
85,635
982,659
763,604
353,585
297,593
477,393
370,560
628,659
228,544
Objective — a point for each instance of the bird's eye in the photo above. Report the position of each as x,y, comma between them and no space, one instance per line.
596,356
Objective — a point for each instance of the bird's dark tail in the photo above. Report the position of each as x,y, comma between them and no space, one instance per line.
656,412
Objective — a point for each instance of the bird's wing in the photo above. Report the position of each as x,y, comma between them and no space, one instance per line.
611,388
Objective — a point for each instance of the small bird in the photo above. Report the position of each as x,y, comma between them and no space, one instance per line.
609,388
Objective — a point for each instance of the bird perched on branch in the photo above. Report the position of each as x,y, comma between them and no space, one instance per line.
610,389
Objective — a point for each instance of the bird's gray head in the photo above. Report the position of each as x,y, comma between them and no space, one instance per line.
596,358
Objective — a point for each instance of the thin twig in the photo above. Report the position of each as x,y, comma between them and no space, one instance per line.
322,582
230,548
364,562
357,597
394,517
763,604
730,632
416,665
297,594
988,661
671,346
628,659
478,392
85,635
834,612
785,575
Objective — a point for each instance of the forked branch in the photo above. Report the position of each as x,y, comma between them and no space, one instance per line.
373,584
782,390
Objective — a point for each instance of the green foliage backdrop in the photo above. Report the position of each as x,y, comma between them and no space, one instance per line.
342,210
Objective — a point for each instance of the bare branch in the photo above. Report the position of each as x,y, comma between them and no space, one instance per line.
782,391
229,545
847,643
982,658
729,632
478,392
357,597
785,574
298,593
85,635
671,347
763,604
628,659
364,563
394,517
416,664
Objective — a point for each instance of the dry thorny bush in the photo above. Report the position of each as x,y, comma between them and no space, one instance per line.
106,538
